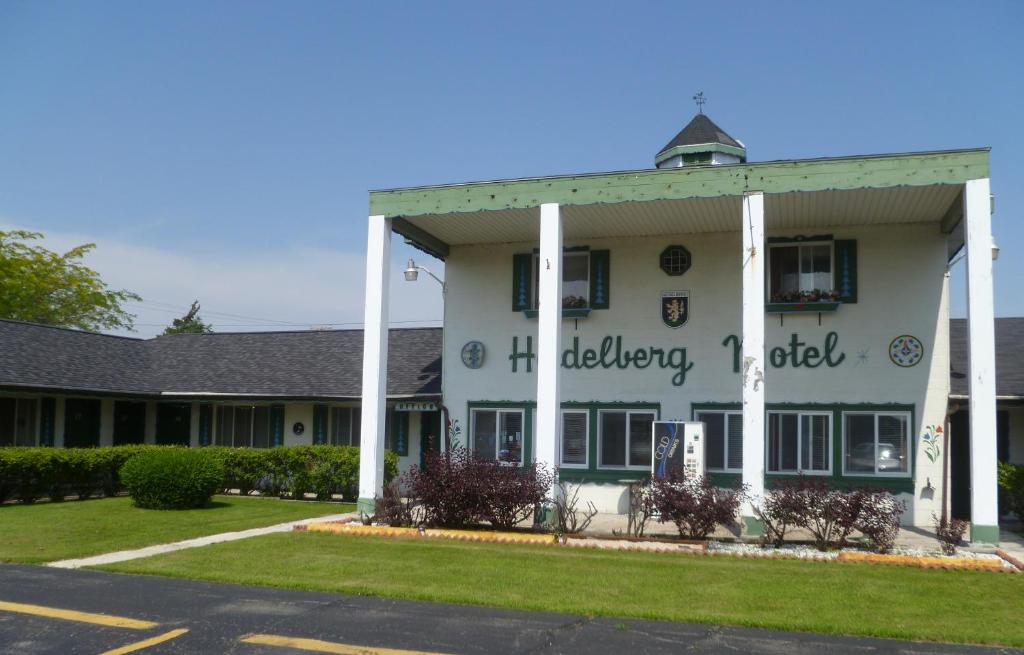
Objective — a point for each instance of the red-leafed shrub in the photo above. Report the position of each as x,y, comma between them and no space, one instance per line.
694,504
950,533
512,492
781,509
392,509
830,514
456,488
879,518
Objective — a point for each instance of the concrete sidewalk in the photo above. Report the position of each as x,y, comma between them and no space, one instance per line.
160,549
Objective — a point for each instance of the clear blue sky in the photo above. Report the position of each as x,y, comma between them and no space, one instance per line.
223,150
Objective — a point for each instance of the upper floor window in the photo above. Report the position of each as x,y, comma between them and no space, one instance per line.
801,272
575,280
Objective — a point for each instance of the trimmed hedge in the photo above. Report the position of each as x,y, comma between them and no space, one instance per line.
30,474
1011,489
172,478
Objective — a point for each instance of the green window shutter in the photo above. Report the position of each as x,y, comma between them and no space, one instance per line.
276,425
205,424
599,278
522,295
47,420
846,269
396,434
319,424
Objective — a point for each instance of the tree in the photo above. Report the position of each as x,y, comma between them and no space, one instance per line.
42,286
190,323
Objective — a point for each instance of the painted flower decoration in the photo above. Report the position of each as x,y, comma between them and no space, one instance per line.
932,440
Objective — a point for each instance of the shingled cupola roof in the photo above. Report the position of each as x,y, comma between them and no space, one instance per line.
701,142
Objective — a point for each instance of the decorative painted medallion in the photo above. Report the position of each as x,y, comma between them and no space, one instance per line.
298,428
906,350
473,354
675,308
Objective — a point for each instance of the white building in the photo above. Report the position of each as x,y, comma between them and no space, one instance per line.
799,308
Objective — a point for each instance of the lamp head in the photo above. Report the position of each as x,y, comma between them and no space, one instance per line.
411,272
995,249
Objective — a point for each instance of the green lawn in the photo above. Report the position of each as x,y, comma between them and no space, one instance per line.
52,531
883,601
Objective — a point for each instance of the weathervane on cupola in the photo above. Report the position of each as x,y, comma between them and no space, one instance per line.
701,143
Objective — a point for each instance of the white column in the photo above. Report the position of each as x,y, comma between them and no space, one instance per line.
375,362
549,341
752,366
982,366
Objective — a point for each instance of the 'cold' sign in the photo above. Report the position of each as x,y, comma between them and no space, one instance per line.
678,446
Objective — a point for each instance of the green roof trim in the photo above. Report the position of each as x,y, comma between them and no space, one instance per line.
869,171
701,147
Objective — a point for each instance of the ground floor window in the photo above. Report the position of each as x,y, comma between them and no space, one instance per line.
18,421
497,434
799,442
346,423
876,443
723,440
243,426
575,434
624,438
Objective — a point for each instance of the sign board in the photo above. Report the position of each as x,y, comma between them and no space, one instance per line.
678,445
413,406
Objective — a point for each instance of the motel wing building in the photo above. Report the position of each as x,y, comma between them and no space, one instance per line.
800,309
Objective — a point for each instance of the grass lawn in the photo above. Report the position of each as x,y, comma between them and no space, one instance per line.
50,531
859,599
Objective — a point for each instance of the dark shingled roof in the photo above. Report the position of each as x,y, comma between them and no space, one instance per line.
701,130
1009,357
311,364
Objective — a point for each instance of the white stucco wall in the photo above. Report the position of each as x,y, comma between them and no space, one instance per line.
902,290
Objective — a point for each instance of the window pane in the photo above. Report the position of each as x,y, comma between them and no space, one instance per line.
782,442
860,443
7,409
892,444
735,437
640,437
357,426
816,268
574,437
341,426
613,438
814,442
261,427
243,427
485,424
25,430
785,270
511,442
714,439
576,279
225,425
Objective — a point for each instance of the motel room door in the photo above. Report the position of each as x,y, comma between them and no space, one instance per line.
960,459
173,424
81,423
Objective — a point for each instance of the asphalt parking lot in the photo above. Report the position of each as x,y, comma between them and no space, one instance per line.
44,610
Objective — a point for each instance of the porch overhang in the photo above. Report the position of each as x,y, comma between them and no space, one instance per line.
870,189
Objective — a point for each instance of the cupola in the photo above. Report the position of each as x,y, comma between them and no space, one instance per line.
701,143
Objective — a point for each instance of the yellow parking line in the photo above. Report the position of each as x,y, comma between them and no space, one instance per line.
146,643
318,646
72,615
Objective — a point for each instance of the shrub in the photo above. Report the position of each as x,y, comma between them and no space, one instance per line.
391,509
950,532
568,519
1011,489
512,492
830,514
781,509
695,505
173,478
28,473
448,487
879,518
